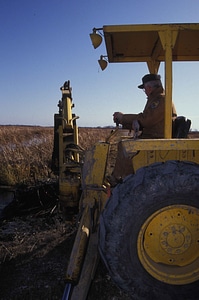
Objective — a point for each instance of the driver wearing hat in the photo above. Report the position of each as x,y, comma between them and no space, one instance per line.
151,120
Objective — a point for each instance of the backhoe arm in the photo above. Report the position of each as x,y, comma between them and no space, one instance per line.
84,256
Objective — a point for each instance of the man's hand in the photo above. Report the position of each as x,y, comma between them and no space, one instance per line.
117,117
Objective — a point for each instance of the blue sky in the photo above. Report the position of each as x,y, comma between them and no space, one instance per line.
46,42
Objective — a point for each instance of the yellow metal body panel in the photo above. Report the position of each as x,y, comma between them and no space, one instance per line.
146,42
145,152
93,175
95,165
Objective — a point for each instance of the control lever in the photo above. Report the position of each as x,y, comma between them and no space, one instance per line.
136,128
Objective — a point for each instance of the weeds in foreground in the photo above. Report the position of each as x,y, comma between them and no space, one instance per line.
25,154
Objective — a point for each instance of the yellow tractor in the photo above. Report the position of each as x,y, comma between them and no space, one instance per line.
147,232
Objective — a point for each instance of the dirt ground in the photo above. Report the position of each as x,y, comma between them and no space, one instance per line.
35,247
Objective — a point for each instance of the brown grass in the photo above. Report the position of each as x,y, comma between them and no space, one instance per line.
26,151
25,154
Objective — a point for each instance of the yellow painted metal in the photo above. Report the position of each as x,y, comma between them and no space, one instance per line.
69,169
145,152
131,145
69,186
93,174
80,291
95,165
168,39
79,247
168,244
153,66
76,140
67,111
92,202
141,43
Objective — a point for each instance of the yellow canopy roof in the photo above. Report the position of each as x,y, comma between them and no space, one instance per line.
143,43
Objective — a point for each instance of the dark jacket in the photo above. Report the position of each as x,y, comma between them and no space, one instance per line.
151,120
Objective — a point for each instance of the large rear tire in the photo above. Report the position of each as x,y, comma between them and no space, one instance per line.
149,232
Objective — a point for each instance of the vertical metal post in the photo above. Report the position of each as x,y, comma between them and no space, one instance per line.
168,85
168,39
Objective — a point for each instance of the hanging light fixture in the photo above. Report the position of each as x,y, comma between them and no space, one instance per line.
103,62
96,38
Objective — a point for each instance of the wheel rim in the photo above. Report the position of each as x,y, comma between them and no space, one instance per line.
168,244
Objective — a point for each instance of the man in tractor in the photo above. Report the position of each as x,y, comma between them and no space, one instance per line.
151,120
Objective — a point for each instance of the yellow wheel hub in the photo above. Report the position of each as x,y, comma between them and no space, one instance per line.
168,244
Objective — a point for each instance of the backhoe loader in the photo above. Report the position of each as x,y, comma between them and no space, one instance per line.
146,228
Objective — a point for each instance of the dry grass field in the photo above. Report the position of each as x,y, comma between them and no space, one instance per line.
26,152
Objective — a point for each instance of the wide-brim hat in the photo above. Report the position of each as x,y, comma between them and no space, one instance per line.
147,78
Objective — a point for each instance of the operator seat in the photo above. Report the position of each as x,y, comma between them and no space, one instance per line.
180,127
